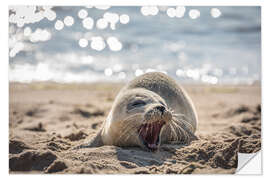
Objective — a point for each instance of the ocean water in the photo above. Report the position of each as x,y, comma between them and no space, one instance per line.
212,45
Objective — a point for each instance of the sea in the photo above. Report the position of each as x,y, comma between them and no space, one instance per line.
83,44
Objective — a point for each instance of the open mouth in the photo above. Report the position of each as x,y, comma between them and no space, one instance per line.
149,134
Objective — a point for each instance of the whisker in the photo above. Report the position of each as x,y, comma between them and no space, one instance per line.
132,116
151,129
179,115
127,126
173,130
183,134
127,131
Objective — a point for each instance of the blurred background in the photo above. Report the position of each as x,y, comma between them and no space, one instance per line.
211,45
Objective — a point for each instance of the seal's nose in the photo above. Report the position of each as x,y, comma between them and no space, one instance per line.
161,109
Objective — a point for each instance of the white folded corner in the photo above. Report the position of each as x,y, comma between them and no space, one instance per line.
249,163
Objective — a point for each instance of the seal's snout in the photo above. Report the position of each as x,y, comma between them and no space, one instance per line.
157,113
161,109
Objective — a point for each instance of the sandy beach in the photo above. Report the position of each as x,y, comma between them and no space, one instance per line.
46,120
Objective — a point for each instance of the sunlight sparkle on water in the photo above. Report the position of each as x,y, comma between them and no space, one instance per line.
16,49
180,11
180,72
193,73
114,44
102,23
108,72
215,12
69,21
27,31
138,72
149,10
194,13
22,15
124,19
49,14
83,42
82,14
40,35
88,23
59,25
98,43
113,18
171,12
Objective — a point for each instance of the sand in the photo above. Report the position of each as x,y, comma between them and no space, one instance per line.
46,120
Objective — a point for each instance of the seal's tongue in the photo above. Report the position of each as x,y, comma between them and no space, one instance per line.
149,133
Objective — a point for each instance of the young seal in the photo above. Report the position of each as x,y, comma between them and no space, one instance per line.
150,110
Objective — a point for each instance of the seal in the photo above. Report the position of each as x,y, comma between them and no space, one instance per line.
150,110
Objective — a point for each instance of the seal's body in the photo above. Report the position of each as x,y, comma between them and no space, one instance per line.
150,110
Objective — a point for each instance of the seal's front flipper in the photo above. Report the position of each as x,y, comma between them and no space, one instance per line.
95,142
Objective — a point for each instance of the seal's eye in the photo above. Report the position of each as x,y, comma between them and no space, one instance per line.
135,104
138,103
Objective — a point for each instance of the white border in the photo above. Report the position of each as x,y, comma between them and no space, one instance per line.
140,2
4,75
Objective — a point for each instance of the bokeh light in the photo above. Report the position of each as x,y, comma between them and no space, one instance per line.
94,30
68,21
82,14
112,18
49,14
114,44
108,72
83,42
88,23
16,49
138,72
124,19
180,11
149,10
59,25
27,31
40,35
171,12
102,23
215,12
97,43
194,13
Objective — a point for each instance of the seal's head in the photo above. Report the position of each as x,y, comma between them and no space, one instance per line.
137,118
